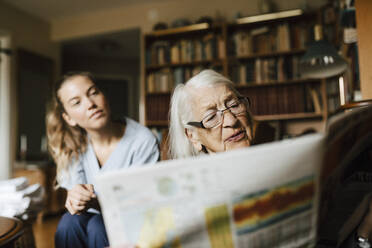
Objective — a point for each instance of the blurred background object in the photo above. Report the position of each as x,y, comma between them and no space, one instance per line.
321,59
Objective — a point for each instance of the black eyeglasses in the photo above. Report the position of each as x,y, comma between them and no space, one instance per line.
236,107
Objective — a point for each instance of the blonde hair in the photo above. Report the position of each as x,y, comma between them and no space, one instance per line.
181,111
65,142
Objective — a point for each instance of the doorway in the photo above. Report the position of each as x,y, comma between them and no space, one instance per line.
114,89
34,77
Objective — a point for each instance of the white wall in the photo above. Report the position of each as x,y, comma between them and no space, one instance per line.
6,148
28,32
32,34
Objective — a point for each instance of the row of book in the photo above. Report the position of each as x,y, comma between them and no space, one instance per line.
269,100
157,107
209,47
256,71
266,39
333,94
166,79
284,99
266,70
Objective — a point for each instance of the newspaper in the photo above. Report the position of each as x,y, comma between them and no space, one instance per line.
262,196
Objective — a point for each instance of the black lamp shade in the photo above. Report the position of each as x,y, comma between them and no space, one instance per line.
321,60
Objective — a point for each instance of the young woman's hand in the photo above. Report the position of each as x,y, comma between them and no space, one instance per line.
78,198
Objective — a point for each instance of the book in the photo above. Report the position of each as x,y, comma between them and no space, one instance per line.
272,99
299,36
283,37
198,47
179,76
160,52
175,53
151,83
258,71
209,47
282,99
281,75
243,43
242,74
250,72
316,101
261,43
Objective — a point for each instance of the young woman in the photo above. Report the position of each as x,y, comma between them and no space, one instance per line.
84,141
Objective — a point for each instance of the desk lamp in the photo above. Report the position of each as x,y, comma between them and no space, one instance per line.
321,59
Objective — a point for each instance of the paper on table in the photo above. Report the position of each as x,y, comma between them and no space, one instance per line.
262,196
13,185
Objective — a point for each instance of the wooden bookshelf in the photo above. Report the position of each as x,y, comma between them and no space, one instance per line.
273,18
164,93
180,30
270,17
157,123
167,61
280,95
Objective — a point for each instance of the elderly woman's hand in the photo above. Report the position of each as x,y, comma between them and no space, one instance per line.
79,197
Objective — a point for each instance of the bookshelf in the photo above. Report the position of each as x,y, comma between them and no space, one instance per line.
173,56
260,54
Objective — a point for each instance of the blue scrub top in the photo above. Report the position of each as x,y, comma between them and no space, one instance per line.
137,147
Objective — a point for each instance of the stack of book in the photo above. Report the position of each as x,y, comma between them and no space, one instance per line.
261,71
283,99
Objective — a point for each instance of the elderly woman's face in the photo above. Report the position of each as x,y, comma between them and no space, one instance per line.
234,131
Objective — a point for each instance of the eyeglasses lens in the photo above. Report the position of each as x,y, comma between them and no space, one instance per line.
215,118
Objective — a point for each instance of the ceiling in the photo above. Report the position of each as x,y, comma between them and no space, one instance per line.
54,9
118,45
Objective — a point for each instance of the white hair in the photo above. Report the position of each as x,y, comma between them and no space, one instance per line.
181,111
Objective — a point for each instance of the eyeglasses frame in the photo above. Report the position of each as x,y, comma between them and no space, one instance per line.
200,124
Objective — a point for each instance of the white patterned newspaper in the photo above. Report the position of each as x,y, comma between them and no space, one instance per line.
261,196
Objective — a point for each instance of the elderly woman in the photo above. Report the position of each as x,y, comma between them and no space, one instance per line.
208,115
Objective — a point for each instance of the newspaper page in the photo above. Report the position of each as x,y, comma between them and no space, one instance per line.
262,196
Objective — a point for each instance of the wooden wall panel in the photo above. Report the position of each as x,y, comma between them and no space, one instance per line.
364,21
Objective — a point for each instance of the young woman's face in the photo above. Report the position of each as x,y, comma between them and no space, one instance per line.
84,103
